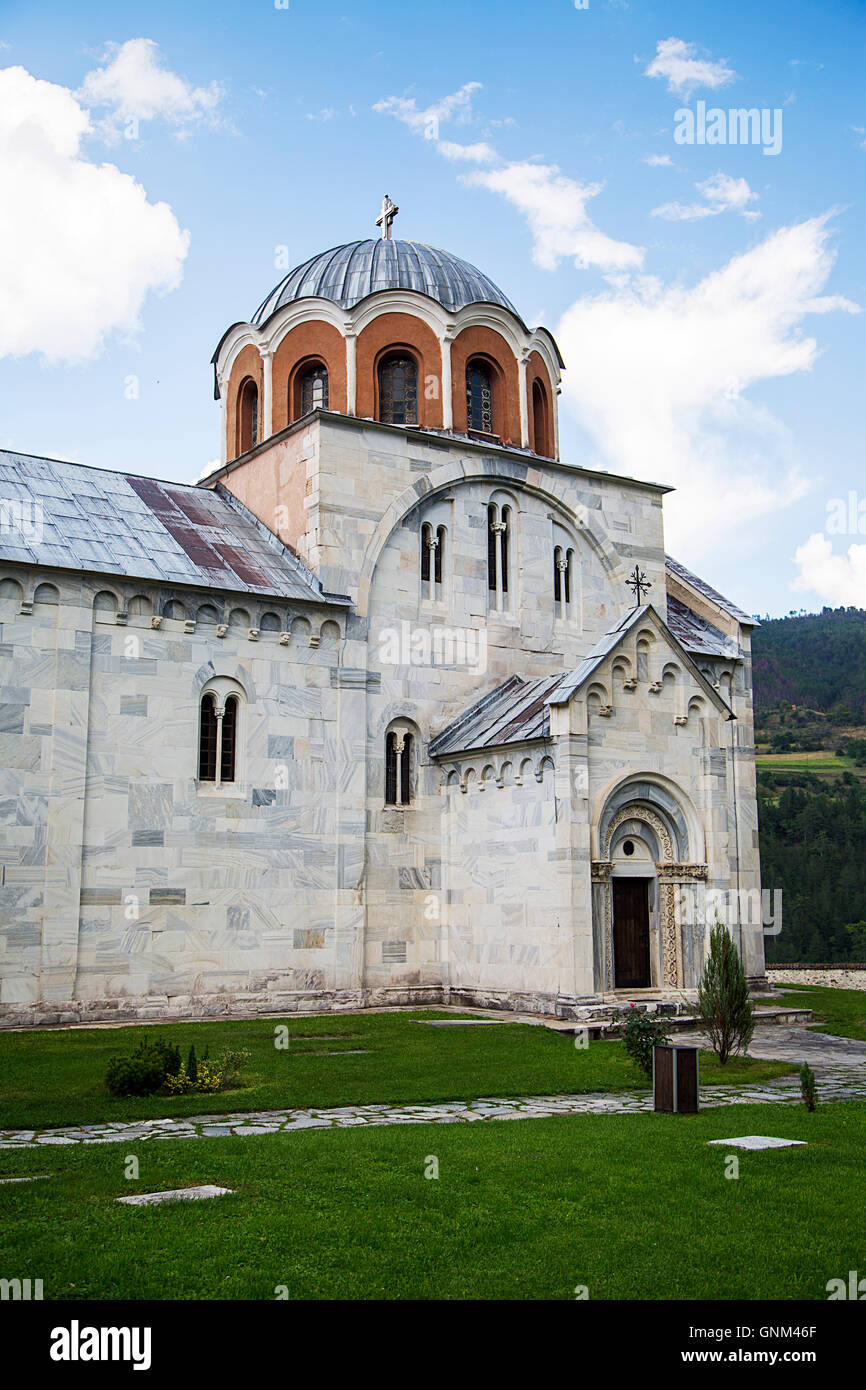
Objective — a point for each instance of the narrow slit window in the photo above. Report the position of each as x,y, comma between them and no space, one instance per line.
491,548
426,547
229,740
406,771
439,555
391,770
207,740
248,416
503,547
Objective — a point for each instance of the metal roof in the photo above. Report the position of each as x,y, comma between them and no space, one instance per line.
347,274
696,634
519,710
708,591
70,516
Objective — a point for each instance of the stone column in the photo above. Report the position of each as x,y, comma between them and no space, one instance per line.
524,401
681,923
602,925
351,372
447,403
268,394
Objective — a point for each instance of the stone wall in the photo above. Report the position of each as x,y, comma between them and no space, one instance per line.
830,976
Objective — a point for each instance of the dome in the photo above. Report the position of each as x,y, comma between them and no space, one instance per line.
347,274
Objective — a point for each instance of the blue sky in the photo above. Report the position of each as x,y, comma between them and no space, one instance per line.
706,297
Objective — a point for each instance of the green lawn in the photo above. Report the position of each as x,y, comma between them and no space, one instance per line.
50,1078
631,1206
840,1011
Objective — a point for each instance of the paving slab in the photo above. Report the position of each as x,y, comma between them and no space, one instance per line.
178,1194
759,1141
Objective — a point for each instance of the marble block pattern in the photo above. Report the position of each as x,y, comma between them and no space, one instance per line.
130,887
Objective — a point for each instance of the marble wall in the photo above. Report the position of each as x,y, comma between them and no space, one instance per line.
128,886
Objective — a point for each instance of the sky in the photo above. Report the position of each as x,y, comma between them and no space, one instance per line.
163,165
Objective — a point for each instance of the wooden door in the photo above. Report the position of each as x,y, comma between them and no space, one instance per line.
631,957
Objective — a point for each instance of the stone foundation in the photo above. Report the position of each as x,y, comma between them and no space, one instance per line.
830,976
175,1008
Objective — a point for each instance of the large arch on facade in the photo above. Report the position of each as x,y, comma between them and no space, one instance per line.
481,470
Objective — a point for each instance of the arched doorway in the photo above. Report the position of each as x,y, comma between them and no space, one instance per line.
634,896
647,930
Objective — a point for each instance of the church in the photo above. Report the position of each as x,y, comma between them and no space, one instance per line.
394,706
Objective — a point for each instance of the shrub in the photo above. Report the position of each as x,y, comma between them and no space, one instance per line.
208,1079
723,996
134,1076
166,1054
192,1065
808,1088
642,1033
231,1064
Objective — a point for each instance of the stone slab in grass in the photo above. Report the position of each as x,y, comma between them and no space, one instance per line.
178,1194
344,1052
34,1177
759,1141
458,1022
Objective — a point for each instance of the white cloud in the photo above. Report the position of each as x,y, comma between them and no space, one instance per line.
658,160
457,106
837,579
677,62
80,245
555,208
684,212
656,376
722,194
327,113
133,86
479,153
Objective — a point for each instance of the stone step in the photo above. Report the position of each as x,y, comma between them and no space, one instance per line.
605,1026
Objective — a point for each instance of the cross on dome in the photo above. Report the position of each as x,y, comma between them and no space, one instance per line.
386,217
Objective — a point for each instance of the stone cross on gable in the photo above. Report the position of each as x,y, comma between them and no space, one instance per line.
386,217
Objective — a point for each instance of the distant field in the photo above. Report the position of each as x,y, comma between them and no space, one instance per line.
821,763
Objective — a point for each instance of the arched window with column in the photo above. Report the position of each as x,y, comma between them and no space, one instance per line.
563,580
500,550
248,415
219,721
479,397
399,769
435,558
398,390
565,575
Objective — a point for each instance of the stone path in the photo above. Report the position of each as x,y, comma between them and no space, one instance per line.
823,1051
840,1083
839,1065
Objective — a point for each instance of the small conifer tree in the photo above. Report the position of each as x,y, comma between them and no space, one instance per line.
192,1066
723,996
808,1089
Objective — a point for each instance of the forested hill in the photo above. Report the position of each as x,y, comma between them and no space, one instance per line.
810,713
817,660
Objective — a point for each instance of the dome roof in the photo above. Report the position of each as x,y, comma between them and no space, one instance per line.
347,274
